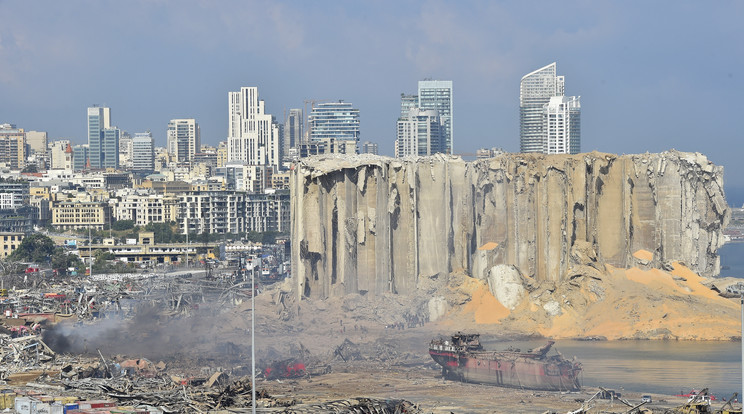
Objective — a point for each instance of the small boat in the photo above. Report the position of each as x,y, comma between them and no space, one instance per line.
463,359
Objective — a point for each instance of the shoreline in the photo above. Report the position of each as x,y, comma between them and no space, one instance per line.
423,387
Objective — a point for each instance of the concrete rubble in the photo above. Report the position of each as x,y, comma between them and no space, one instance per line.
77,342
374,225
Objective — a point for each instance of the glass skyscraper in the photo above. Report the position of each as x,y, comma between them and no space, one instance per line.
334,120
292,132
103,139
110,148
540,122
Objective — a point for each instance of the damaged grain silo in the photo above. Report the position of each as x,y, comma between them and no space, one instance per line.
376,224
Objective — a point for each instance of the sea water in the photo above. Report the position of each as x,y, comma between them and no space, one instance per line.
732,259
663,367
666,367
659,367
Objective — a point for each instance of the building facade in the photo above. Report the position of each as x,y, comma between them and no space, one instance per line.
562,125
419,134
80,157
369,148
536,106
143,153
13,194
327,146
99,118
125,150
142,209
11,241
437,95
12,147
407,102
110,148
292,131
57,151
233,212
69,215
253,137
37,141
184,139
338,121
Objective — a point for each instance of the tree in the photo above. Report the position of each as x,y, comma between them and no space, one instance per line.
121,225
101,262
31,168
62,261
36,248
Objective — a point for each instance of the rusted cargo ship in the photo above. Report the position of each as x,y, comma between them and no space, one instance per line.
463,358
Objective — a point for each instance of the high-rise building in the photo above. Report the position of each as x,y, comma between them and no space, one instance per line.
103,139
12,146
253,138
143,153
407,102
338,121
80,157
99,118
535,93
125,149
437,95
292,130
562,125
110,148
184,139
420,133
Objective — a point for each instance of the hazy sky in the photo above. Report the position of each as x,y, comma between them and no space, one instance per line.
652,75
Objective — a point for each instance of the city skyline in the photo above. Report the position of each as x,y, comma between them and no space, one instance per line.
638,59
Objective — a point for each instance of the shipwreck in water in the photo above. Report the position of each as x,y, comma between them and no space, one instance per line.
463,358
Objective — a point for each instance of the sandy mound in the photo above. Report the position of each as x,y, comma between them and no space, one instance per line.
617,304
633,303
612,303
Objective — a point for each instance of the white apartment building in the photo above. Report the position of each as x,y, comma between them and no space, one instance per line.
9,201
419,133
253,137
562,125
142,209
184,139
143,152
232,212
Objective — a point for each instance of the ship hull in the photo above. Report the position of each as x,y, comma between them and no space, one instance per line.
508,369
